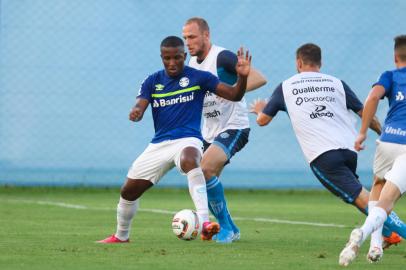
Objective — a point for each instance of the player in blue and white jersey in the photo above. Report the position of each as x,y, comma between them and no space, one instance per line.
225,123
390,156
176,95
321,109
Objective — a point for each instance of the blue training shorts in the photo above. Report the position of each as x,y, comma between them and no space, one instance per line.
336,170
231,141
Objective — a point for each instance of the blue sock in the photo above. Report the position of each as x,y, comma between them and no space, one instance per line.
233,226
395,224
217,202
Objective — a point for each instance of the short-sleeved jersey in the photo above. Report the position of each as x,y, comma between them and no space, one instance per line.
221,114
177,102
319,108
394,82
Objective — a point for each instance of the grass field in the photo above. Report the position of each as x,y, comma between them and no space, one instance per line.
56,228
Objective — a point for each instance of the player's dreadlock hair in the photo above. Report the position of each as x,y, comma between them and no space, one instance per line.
172,41
202,23
310,54
400,47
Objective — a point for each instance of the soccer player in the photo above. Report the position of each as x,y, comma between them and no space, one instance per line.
225,125
390,156
319,108
176,95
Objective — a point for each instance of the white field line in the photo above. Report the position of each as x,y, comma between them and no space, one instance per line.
168,212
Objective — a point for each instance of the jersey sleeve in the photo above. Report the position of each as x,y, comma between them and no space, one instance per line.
209,82
226,62
146,89
351,99
385,80
276,102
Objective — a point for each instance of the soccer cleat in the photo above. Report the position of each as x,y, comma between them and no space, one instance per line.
209,230
393,239
374,254
350,252
224,236
113,240
236,236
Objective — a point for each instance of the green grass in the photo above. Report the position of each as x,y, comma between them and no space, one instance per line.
44,236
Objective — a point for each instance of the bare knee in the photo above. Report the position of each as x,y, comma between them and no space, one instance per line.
208,170
190,159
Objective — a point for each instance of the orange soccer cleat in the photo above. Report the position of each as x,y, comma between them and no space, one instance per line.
393,239
209,230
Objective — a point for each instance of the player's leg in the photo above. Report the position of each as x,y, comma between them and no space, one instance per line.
336,171
383,161
146,171
213,162
215,157
188,162
391,192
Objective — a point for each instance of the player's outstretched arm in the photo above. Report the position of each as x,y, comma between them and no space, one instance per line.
137,112
368,116
256,107
236,92
255,80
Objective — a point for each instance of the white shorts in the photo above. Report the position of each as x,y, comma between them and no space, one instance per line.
384,163
158,158
397,174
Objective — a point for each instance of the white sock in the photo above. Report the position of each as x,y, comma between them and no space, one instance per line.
375,219
126,210
198,192
376,236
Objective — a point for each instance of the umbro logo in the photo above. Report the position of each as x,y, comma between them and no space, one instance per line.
400,96
159,87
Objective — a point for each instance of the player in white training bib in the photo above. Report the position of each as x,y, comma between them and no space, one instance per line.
225,123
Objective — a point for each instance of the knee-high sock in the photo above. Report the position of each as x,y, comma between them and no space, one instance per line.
376,236
385,231
374,221
217,202
198,192
126,210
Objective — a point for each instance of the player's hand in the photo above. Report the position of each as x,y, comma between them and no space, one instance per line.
359,142
244,62
257,106
135,114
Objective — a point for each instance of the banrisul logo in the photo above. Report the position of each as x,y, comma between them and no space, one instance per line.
172,101
184,82
159,87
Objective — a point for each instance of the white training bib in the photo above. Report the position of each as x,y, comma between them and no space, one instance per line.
219,114
317,108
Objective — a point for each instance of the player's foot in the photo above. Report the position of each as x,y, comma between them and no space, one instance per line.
112,240
374,254
236,236
224,236
209,230
350,252
393,239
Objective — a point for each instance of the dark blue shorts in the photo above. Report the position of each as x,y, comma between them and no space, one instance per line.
231,141
336,170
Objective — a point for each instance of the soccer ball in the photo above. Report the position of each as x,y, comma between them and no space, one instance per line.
186,224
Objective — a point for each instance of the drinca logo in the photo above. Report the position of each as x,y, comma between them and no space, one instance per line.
320,111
